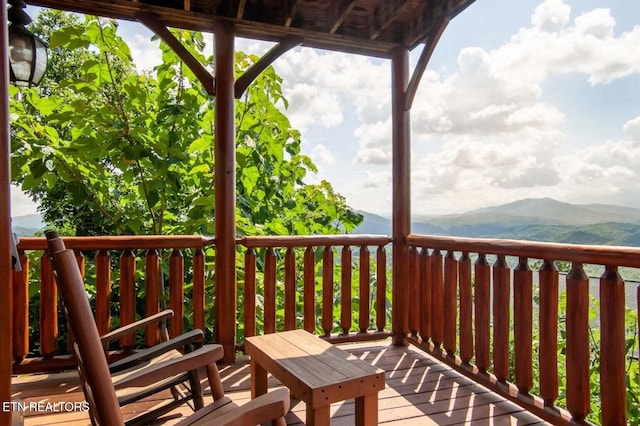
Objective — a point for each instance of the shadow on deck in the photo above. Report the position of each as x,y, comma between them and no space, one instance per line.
419,390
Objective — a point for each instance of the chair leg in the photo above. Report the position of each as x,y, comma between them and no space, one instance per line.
196,389
214,381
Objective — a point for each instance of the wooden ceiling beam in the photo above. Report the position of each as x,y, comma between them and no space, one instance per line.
290,10
337,13
254,71
152,22
385,14
241,5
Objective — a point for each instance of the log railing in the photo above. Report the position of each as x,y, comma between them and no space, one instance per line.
306,277
480,318
138,262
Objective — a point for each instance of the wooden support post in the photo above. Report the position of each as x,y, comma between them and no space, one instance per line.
401,195
5,222
225,185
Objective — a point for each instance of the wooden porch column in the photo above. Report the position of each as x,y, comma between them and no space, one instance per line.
225,187
5,222
401,195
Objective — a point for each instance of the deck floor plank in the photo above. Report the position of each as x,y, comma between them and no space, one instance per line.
419,390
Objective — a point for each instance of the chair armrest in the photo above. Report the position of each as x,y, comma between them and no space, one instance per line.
106,339
191,337
201,357
266,408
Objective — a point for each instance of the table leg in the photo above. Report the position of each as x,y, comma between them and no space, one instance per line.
367,410
258,380
318,416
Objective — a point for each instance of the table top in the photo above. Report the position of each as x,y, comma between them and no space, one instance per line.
301,360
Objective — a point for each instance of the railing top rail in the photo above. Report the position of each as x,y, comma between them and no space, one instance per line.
313,241
600,255
121,242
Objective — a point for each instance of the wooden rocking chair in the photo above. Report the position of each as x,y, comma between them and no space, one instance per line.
105,392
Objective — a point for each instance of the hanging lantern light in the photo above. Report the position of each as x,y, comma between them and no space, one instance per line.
27,53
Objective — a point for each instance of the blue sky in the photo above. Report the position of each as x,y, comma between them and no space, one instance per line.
521,99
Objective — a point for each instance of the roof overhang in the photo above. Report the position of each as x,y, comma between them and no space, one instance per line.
368,27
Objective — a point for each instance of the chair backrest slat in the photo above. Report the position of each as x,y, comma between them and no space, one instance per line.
94,370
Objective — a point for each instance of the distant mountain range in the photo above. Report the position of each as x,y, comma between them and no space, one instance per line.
27,225
542,219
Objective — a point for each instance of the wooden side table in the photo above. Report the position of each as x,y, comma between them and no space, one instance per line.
316,372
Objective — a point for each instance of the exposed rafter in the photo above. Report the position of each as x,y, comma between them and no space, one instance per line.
421,66
153,23
337,13
241,6
290,12
245,80
385,14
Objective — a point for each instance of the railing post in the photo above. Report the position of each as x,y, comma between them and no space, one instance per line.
152,294
21,309
290,289
309,290
612,348
466,309
327,290
548,332
269,297
523,325
577,343
176,292
365,291
103,291
6,289
345,299
225,184
127,295
482,319
401,170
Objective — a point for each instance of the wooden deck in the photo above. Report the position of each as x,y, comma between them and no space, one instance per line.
419,390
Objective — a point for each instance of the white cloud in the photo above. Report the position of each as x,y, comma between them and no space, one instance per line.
146,54
633,128
321,155
21,204
551,16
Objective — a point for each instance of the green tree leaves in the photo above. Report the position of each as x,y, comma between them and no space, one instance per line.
136,149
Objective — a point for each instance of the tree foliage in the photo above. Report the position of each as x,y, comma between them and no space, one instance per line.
125,152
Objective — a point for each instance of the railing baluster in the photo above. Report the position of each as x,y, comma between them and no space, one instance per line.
548,332
81,266
414,302
127,295
426,284
346,296
466,309
309,290
48,308
21,309
198,289
327,290
381,288
365,290
437,290
250,293
290,289
176,292
103,291
450,302
577,343
612,348
523,325
501,280
482,302
269,291
152,294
